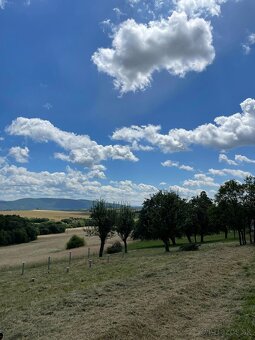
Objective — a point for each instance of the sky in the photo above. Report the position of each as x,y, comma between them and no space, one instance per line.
118,99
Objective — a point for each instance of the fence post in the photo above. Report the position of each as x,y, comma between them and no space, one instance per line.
49,263
88,253
23,268
70,258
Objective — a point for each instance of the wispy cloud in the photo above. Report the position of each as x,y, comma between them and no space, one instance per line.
250,41
174,164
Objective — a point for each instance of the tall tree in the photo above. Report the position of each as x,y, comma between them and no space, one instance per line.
159,218
201,205
125,222
104,218
230,198
249,204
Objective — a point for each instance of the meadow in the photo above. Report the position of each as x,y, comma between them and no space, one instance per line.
145,294
56,215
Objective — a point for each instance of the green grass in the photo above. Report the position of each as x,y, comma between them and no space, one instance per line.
146,294
243,326
180,241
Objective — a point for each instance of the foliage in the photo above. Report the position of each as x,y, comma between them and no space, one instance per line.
104,217
15,230
75,242
51,227
116,247
160,218
125,223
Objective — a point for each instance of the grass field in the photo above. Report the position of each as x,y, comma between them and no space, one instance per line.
47,245
146,294
51,214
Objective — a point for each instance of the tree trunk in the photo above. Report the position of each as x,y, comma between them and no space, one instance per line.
125,245
240,237
189,238
226,233
195,238
202,238
173,240
101,251
166,244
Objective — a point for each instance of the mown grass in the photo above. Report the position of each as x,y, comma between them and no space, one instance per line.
146,294
243,326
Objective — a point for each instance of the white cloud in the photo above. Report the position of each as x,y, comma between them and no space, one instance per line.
185,192
200,180
170,164
231,172
21,155
3,3
224,159
244,159
249,43
48,106
227,132
82,150
199,7
176,44
18,182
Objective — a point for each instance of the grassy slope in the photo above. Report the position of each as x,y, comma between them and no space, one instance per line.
145,295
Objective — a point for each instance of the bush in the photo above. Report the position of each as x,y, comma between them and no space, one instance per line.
190,247
75,242
116,247
51,227
15,229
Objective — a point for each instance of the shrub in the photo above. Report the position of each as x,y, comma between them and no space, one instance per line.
75,242
190,247
116,247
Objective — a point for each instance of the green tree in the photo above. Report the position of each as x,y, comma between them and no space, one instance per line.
159,218
125,222
200,206
230,200
104,219
249,204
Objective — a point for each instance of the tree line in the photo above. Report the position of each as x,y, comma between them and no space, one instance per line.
166,216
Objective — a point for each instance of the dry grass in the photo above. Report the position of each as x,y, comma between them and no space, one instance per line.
47,245
51,214
146,295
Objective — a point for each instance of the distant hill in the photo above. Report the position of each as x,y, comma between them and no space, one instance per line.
46,204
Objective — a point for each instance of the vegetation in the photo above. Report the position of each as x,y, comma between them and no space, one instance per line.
125,222
165,216
116,247
15,230
51,227
153,295
75,242
104,218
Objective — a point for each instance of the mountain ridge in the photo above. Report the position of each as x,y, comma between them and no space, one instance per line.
46,204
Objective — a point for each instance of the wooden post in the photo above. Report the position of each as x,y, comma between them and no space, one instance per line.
88,253
67,269
90,263
23,268
70,258
49,262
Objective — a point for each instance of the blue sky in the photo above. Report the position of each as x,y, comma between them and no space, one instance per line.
117,99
